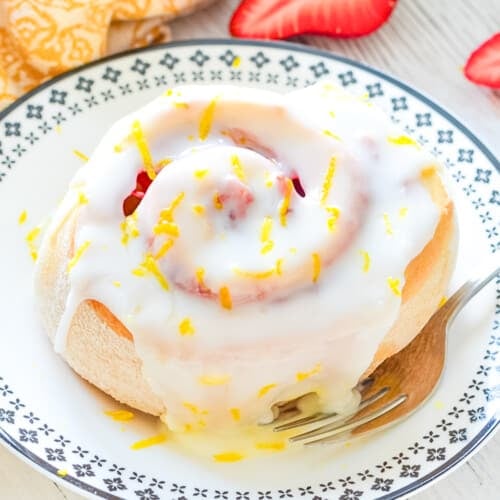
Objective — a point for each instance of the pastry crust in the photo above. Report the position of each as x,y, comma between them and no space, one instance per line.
101,349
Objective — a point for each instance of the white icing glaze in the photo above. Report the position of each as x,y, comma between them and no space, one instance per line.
284,332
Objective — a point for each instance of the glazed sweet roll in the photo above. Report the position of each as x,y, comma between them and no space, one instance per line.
226,249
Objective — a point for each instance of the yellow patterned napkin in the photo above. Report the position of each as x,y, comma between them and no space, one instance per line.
42,38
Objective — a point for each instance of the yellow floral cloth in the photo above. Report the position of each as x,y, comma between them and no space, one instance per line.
42,38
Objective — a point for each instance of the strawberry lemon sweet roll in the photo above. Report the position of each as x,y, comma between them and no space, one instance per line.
226,249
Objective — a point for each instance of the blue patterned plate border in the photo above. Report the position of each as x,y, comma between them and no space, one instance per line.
488,428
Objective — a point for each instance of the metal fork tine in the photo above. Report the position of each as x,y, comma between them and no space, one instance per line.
332,425
316,417
356,423
340,426
333,417
319,417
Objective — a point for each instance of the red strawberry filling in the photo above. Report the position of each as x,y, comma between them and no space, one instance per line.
131,202
235,198
297,185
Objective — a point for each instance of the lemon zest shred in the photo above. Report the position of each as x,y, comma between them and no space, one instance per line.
82,199
366,260
134,230
394,286
285,203
151,441
267,247
271,446
300,376
129,228
23,217
151,265
439,405
142,146
117,148
168,213
265,389
200,275
62,472
201,173
186,327
293,250
228,456
30,239
206,120
78,255
198,209
402,140
191,407
236,62
165,247
265,235
332,135
181,104
80,155
427,172
214,379
388,224
259,275
268,179
279,267
217,202
316,264
403,212
331,221
165,227
267,227
117,284
443,301
163,163
119,415
235,414
327,183
225,299
165,224
33,234
238,167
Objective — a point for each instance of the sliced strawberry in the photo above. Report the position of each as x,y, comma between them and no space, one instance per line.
285,18
483,65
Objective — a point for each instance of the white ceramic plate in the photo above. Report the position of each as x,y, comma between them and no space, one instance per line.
56,421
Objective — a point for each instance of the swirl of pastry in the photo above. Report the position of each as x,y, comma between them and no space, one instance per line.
225,221
232,248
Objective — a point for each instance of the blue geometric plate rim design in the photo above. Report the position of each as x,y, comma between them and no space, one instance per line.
490,426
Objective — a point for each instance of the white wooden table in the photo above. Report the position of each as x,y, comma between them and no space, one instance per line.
425,43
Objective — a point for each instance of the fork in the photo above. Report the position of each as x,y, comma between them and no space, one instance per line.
396,388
